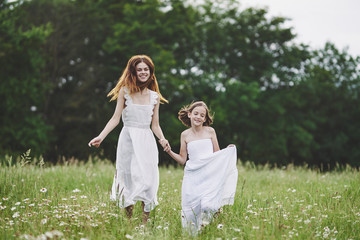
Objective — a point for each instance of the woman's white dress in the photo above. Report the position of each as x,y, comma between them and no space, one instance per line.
137,174
209,182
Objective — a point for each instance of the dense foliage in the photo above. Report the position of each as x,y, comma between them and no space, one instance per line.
278,101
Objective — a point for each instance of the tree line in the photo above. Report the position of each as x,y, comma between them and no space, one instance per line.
280,102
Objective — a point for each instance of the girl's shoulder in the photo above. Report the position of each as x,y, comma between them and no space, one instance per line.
185,133
209,129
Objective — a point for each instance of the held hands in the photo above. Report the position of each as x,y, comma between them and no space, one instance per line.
165,144
95,142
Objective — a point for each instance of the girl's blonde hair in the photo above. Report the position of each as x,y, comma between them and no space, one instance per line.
184,118
129,79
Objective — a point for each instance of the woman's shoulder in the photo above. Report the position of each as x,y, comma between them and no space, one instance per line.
152,92
154,97
124,90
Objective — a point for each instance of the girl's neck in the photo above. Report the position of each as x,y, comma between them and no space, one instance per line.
197,129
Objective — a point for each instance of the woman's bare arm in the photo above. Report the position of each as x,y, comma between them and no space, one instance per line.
112,123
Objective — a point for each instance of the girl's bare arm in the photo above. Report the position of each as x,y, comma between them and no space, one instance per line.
214,139
182,156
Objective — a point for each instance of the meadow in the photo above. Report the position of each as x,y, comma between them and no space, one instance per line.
71,201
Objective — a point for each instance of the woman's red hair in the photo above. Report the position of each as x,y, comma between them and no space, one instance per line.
129,80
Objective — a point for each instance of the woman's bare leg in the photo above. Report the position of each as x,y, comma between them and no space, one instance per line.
145,214
129,211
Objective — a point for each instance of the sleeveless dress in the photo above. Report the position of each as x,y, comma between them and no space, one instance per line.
209,182
137,174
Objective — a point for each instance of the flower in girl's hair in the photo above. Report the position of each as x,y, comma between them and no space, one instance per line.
43,190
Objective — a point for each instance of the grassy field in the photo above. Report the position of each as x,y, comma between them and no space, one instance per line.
71,201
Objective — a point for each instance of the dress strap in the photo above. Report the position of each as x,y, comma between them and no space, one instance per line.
154,97
127,96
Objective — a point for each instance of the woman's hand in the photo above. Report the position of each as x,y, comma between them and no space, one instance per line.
95,142
165,144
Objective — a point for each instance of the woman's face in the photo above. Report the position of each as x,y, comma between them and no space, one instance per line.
142,72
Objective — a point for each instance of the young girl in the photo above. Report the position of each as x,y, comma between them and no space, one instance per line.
210,174
138,99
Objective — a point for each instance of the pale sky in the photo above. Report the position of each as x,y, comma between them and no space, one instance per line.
318,21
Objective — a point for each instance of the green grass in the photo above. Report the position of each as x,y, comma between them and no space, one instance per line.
71,200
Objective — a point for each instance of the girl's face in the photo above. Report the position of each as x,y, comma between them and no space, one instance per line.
142,72
197,116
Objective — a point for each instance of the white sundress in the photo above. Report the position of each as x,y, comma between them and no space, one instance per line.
137,174
209,182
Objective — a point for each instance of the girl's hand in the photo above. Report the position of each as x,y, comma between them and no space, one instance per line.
231,145
95,142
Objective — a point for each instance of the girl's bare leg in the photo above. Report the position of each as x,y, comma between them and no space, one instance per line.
145,214
129,211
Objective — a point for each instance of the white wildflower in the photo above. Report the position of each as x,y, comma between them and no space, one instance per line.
43,190
220,226
62,223
76,190
129,236
15,215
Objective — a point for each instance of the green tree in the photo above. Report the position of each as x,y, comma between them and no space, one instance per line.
23,124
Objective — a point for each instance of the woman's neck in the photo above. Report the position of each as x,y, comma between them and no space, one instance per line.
143,91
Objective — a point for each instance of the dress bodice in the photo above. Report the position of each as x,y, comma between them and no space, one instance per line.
199,149
138,115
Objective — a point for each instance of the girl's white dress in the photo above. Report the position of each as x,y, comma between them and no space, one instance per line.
209,182
137,174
